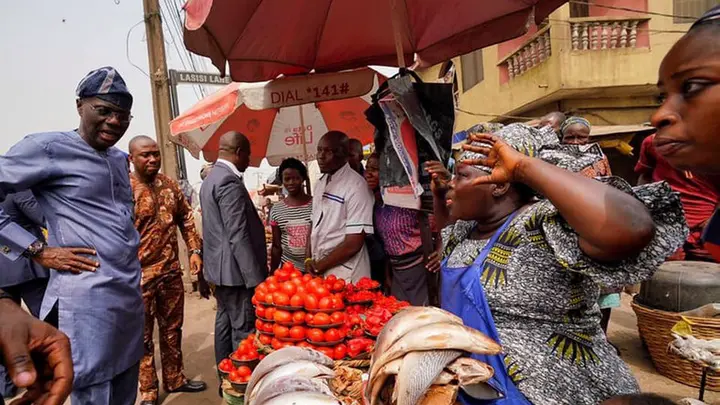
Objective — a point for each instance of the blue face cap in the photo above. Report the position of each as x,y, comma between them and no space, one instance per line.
106,84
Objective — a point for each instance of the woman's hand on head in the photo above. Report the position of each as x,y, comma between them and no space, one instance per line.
504,161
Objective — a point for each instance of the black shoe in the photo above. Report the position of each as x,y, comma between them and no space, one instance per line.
191,386
148,403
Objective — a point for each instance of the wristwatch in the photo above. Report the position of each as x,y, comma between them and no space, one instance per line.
35,248
196,252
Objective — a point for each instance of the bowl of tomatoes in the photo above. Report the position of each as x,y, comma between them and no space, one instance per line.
239,378
326,321
325,338
225,367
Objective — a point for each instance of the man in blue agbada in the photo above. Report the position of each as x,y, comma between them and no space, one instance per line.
82,185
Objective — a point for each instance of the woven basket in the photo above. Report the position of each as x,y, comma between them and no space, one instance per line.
655,326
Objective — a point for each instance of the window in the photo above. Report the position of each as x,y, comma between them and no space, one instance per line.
578,10
690,8
472,69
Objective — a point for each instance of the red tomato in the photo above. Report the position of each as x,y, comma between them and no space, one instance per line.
262,287
235,377
269,327
316,335
288,288
302,290
322,291
281,299
260,295
336,303
295,274
338,286
298,317
311,302
297,332
307,277
270,313
244,348
342,333
226,366
282,316
297,300
259,325
260,311
326,351
254,300
282,275
331,278
273,287
337,317
281,331
269,298
332,335
321,319
313,285
276,344
288,266
265,339
304,344
297,281
309,318
325,303
339,352
244,371
261,357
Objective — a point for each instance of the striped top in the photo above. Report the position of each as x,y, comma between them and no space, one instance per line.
294,223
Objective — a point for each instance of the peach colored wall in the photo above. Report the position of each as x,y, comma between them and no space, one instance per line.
508,46
596,11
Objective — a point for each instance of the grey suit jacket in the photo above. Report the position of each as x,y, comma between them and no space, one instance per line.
25,211
234,251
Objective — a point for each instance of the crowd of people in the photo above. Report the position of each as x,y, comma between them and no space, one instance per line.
528,229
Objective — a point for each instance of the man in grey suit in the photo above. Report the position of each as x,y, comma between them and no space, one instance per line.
23,279
233,243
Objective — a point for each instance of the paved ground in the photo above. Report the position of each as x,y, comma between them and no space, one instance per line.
199,356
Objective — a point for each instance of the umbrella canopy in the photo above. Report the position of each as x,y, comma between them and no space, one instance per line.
262,39
274,115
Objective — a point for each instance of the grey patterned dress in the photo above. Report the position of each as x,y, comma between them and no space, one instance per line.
543,292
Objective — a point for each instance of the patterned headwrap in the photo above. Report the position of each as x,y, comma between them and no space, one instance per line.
106,84
712,16
572,121
542,143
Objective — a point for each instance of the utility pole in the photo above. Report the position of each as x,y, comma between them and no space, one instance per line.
160,86
159,83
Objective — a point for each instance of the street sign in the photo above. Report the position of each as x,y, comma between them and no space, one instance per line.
198,78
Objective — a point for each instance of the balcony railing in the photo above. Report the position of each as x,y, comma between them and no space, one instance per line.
590,34
534,52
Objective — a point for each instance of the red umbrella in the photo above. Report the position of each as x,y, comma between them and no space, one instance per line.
262,39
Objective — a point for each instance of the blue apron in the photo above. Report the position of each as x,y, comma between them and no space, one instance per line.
461,293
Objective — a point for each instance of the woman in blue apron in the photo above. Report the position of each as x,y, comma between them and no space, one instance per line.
526,271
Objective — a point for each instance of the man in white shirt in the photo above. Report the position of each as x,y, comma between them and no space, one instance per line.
342,214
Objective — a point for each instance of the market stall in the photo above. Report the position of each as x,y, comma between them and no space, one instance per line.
370,342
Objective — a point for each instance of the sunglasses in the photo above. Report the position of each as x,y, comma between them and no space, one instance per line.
123,116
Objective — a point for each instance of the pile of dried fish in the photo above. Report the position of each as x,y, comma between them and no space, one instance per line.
424,347
292,375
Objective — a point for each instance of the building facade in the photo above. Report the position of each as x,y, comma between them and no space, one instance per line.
598,59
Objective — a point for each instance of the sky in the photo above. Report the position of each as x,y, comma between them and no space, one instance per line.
48,46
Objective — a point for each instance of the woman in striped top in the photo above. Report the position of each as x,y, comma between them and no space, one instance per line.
290,218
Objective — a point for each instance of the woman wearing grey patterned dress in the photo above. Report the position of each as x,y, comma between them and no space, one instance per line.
558,238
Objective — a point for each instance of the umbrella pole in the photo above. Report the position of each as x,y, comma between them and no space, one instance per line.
395,10
304,147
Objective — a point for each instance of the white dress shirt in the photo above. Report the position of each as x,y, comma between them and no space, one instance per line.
342,205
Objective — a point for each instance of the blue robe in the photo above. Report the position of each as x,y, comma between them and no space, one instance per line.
87,201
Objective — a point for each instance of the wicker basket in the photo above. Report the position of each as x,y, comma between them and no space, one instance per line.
347,385
655,326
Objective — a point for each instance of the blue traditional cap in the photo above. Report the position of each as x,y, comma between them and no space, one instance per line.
712,16
106,84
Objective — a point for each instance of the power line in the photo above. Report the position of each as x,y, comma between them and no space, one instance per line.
127,46
170,26
590,3
175,29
